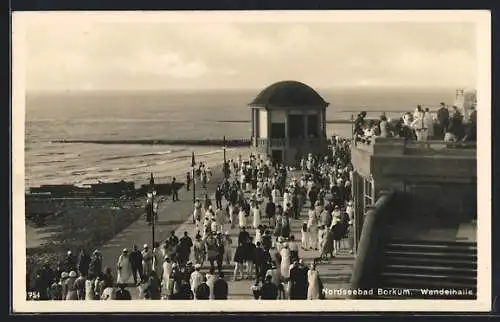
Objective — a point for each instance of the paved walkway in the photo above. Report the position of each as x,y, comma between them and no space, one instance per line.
171,215
335,274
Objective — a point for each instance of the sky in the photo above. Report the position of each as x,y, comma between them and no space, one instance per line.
86,54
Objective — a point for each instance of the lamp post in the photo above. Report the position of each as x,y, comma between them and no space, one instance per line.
224,167
151,196
193,166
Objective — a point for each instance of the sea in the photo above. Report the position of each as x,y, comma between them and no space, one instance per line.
168,114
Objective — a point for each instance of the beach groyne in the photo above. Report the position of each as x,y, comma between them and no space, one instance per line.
197,142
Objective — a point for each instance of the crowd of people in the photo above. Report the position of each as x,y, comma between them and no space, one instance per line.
447,124
259,199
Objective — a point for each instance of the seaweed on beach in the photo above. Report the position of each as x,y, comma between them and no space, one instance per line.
79,227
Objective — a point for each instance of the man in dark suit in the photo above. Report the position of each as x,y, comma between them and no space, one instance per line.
220,288
268,291
271,212
443,118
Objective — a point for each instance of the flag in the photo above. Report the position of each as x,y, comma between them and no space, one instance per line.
193,163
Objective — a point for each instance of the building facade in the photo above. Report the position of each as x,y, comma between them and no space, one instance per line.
289,121
441,181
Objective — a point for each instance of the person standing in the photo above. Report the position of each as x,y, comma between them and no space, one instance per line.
285,262
203,290
167,276
80,287
220,288
271,212
124,268
218,197
211,278
269,290
175,193
228,242
313,289
185,244
443,119
188,180
238,262
312,228
71,292
147,260
196,278
83,262
122,293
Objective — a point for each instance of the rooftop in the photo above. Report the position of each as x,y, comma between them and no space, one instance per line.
288,94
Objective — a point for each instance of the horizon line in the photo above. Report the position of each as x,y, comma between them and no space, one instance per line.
187,89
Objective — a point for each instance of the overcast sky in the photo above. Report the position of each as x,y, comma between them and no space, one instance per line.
81,54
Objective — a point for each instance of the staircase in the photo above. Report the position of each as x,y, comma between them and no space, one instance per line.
433,265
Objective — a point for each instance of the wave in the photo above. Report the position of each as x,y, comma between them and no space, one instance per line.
148,154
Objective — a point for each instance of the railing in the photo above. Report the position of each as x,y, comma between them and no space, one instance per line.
290,142
364,275
379,144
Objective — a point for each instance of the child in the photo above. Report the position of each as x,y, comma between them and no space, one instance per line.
304,236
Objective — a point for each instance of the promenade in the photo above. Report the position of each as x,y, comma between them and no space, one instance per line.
335,274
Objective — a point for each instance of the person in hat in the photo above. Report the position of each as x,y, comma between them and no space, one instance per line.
70,262
70,288
124,268
83,262
80,286
199,250
196,278
202,290
312,227
90,288
220,288
147,260
228,242
269,290
313,281
56,289
64,291
285,262
211,278
135,259
95,267
167,281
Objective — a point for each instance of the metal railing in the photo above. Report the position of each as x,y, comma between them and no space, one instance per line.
289,142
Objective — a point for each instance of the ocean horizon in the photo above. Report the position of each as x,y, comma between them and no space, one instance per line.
172,114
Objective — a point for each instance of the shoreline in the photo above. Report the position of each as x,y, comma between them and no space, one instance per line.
199,142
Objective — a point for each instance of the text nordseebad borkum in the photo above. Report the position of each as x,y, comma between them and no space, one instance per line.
395,292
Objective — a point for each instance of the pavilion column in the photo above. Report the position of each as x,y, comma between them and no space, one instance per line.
253,123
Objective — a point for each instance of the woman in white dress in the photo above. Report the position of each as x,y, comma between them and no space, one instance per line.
124,269
312,228
233,213
286,200
256,216
211,278
166,278
285,262
275,194
242,218
197,214
313,288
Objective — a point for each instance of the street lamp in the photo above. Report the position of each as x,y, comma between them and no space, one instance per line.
154,207
224,167
193,166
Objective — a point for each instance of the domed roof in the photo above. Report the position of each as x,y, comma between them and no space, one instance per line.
288,94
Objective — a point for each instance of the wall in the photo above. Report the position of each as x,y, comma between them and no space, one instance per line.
277,116
443,186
